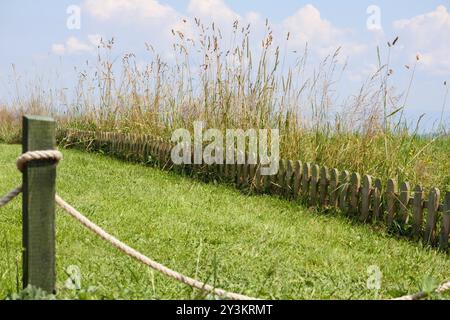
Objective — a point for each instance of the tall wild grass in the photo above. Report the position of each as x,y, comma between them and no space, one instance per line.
237,86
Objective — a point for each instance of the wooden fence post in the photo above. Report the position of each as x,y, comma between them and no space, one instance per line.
38,206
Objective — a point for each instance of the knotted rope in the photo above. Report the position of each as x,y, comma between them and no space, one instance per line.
21,162
57,156
54,155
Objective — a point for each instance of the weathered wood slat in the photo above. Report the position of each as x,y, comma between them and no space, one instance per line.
281,177
403,203
323,186
252,174
366,192
429,237
245,175
377,198
313,192
267,183
344,190
289,186
391,200
297,178
239,169
306,179
333,188
258,179
355,186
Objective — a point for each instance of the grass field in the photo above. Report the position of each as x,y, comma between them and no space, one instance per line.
260,246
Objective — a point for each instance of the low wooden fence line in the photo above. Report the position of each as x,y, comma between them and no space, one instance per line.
413,212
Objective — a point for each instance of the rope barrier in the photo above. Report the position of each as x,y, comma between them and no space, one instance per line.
10,196
57,156
142,258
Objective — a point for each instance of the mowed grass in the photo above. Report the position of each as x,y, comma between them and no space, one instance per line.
260,246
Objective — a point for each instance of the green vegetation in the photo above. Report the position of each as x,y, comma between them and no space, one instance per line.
228,83
260,246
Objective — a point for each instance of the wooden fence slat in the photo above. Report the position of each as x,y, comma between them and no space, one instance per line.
306,179
39,179
366,191
226,173
344,190
267,183
314,184
445,231
297,178
377,197
233,172
258,179
417,211
430,228
281,177
355,186
391,200
323,186
245,175
239,169
404,203
252,174
288,185
333,189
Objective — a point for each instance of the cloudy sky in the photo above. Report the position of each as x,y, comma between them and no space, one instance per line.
45,37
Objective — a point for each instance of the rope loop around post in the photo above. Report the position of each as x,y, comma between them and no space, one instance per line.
26,157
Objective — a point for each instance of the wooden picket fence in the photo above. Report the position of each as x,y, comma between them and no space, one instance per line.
413,212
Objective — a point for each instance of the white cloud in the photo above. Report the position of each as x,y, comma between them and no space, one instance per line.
58,49
429,35
95,39
307,26
72,46
148,15
212,10
126,9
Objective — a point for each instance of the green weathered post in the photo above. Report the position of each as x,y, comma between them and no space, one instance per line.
39,205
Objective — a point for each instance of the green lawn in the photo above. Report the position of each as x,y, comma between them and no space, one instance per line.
260,246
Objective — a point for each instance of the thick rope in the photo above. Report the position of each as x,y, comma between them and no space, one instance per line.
9,196
54,155
22,161
140,257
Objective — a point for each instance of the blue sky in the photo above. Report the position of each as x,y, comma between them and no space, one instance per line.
35,38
